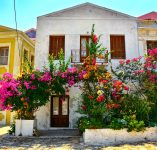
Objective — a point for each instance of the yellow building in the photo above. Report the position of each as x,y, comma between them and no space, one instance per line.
15,51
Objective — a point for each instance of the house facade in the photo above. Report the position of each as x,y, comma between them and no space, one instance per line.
147,31
13,56
69,29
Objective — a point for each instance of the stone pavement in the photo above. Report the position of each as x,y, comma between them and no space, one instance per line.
67,143
4,130
56,142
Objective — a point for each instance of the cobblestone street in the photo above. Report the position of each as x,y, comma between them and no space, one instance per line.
21,143
59,143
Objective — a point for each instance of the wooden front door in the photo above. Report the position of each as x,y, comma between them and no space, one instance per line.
59,111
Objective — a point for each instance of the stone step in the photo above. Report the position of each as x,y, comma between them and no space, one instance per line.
60,133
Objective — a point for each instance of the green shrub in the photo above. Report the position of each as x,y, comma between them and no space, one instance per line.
89,123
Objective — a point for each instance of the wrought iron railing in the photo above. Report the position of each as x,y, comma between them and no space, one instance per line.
75,57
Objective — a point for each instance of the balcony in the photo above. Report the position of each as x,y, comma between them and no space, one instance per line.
76,59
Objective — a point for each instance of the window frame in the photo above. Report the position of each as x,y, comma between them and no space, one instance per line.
150,42
52,52
8,46
32,55
25,49
87,51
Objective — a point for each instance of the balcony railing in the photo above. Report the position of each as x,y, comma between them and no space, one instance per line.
75,57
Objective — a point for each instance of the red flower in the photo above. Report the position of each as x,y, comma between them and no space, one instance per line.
95,38
128,61
93,62
126,88
121,62
103,81
117,83
90,97
115,106
84,107
109,106
135,59
100,98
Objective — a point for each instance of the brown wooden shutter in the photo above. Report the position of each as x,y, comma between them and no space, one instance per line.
56,43
117,43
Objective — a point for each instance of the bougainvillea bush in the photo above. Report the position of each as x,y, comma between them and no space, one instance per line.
25,94
33,89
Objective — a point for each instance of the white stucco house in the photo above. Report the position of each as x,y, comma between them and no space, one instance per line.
69,29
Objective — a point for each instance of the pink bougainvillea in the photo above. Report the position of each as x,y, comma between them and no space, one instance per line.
8,89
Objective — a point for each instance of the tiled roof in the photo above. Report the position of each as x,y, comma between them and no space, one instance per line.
31,33
150,16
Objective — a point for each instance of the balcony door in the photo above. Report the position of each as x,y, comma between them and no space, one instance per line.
59,111
84,52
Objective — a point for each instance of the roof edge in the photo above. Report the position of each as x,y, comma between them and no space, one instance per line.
90,4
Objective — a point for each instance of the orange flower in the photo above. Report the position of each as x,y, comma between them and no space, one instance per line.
101,56
86,76
26,104
22,98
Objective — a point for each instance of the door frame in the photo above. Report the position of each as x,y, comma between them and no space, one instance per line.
51,111
87,37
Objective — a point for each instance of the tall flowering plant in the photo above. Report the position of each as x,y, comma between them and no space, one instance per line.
101,93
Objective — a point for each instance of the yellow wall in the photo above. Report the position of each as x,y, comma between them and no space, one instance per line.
16,50
11,43
15,59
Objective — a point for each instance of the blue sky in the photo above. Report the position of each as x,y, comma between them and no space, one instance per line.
28,10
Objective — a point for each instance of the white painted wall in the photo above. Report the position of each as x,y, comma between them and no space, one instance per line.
72,26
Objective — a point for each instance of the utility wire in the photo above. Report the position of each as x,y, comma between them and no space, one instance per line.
16,25
17,36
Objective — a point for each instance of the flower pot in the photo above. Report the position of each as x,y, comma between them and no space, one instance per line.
24,127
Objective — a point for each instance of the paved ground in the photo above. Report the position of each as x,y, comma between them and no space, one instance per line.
3,130
58,143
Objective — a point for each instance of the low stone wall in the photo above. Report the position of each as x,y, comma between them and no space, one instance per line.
110,137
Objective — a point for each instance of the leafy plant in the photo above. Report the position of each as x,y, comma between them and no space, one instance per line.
89,123
12,129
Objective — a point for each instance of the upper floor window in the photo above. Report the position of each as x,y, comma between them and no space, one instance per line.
84,52
151,44
56,43
25,56
4,52
32,60
117,44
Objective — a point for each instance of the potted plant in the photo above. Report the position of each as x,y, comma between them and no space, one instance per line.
25,95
